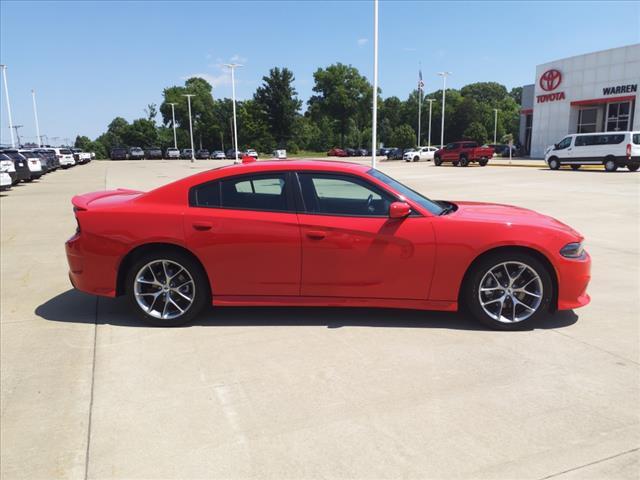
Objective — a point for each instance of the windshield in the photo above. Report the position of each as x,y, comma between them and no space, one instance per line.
405,191
65,151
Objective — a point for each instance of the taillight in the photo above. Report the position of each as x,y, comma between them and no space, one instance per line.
628,151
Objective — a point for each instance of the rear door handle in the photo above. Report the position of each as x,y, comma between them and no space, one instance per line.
202,226
316,234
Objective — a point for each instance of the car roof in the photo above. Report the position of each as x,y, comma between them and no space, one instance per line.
271,165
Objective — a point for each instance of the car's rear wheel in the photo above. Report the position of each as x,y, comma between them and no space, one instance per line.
464,161
167,288
610,165
554,163
437,161
575,167
508,291
633,168
483,161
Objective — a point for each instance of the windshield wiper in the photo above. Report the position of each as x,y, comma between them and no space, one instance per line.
446,210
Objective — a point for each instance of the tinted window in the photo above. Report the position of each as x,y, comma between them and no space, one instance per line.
406,192
342,195
594,140
635,138
264,192
65,151
564,143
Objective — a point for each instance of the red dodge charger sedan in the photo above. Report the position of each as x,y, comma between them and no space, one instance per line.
312,233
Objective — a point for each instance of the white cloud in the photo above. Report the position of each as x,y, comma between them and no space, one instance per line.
223,78
220,75
362,41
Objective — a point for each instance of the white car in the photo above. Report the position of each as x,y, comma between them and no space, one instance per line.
172,153
251,152
611,149
65,157
420,153
279,154
33,162
7,167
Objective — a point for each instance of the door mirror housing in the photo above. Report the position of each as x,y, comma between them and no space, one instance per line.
399,210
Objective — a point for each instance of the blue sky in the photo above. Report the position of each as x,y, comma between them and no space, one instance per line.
92,61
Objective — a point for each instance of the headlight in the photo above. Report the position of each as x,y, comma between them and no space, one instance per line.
572,250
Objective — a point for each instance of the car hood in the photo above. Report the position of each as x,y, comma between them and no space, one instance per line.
508,214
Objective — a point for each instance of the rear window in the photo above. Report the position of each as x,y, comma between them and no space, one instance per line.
635,138
14,155
470,145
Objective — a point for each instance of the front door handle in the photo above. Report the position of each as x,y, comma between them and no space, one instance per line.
316,234
202,226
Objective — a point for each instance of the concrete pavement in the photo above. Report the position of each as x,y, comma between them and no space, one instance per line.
314,393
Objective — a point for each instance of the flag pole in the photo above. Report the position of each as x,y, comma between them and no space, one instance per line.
374,120
419,106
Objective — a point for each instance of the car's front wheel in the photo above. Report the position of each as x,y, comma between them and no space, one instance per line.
437,161
167,288
483,161
633,167
554,163
508,291
416,158
464,161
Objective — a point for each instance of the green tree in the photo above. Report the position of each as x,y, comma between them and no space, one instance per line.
403,136
277,102
341,94
476,131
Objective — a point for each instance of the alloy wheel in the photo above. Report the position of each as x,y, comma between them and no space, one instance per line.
510,292
164,289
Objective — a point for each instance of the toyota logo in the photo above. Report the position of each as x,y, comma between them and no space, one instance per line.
550,80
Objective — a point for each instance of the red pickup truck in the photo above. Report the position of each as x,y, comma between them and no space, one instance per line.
462,153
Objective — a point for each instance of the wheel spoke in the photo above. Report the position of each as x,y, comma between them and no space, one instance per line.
175,304
181,294
176,274
523,304
490,289
528,293
155,283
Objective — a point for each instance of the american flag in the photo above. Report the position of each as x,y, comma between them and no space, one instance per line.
420,82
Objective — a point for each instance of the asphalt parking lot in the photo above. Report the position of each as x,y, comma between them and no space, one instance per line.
320,393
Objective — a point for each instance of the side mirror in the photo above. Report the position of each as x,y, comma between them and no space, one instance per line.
399,210
555,146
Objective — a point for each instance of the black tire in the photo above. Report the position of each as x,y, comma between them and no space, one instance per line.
610,164
483,161
575,167
455,163
633,167
200,289
470,293
554,163
416,158
437,161
464,161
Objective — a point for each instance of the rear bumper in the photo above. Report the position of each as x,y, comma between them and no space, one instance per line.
90,273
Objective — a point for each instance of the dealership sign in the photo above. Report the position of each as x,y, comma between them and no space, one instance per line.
549,81
620,89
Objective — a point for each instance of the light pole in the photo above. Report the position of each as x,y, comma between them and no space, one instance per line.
16,127
6,92
495,125
35,114
374,121
444,76
430,100
173,123
189,95
233,67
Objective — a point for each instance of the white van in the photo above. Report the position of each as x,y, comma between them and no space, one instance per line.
611,149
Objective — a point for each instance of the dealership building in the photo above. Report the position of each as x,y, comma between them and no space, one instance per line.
596,92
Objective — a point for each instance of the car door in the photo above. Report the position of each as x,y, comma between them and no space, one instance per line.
451,152
245,230
564,149
350,246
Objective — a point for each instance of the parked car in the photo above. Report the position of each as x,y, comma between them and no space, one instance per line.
34,164
186,153
280,154
350,152
515,151
136,153
336,152
51,155
202,154
420,153
5,180
395,154
172,153
463,153
153,153
7,167
80,156
65,157
251,153
118,153
45,160
231,155
361,152
217,155
610,149
360,238
498,148
23,174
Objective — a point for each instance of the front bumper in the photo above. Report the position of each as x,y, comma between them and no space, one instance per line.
573,278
